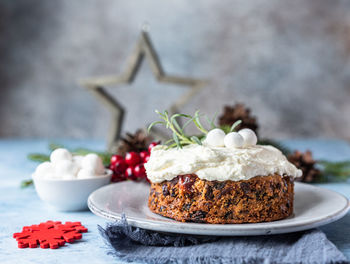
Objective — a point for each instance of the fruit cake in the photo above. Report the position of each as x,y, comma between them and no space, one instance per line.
187,198
223,179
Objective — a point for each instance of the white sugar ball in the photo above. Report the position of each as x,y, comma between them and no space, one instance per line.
60,154
233,140
77,159
86,173
66,169
68,176
249,136
93,162
215,137
44,170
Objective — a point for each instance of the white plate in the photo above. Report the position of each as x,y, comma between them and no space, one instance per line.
313,207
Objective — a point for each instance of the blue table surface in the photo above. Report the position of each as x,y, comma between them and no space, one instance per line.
20,207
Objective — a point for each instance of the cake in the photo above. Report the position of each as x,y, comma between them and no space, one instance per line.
219,180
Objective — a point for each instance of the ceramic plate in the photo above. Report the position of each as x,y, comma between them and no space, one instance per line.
313,207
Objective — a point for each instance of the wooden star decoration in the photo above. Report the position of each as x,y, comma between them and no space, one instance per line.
144,50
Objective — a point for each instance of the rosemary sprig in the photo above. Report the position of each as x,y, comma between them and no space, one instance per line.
179,138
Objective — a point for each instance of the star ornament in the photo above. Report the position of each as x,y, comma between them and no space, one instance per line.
144,50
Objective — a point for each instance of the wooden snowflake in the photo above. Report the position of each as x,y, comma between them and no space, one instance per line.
49,234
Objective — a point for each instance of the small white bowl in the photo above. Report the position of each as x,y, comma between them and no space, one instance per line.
69,195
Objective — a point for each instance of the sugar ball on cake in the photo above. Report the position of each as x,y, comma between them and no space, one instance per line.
233,140
249,136
215,137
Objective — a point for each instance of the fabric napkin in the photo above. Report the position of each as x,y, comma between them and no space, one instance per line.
135,244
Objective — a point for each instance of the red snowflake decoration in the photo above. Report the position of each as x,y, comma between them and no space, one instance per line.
49,234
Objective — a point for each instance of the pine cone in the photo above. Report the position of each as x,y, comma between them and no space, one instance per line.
238,112
134,142
306,163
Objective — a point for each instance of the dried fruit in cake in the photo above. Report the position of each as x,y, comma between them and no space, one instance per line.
190,199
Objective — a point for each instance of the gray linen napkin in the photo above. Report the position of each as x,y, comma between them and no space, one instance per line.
134,244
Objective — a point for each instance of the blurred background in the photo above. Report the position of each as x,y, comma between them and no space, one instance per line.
289,61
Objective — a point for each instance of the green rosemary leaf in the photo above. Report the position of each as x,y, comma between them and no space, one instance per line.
198,122
176,139
172,146
194,138
213,120
235,124
182,115
153,124
177,126
187,123
225,128
38,157
208,120
168,141
159,113
166,114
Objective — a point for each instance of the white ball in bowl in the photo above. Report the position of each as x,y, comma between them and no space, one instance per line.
66,169
68,176
78,159
249,136
86,173
60,154
93,162
215,137
44,169
233,140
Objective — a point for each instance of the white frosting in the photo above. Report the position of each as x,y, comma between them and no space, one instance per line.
218,163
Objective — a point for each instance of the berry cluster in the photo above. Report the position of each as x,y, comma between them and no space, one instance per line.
131,166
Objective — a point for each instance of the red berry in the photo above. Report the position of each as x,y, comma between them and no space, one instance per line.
116,158
132,158
120,166
152,145
112,167
118,177
129,173
143,154
139,171
145,159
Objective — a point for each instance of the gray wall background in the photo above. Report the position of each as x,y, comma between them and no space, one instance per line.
288,60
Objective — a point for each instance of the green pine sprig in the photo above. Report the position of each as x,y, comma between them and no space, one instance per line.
334,171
